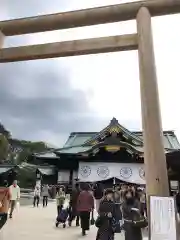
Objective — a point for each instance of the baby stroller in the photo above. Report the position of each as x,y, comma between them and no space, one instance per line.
63,216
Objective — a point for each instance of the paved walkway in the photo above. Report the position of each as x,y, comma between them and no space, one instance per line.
37,223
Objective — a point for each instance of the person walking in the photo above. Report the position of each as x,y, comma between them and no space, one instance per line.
132,213
5,197
117,201
107,216
123,189
73,205
37,194
98,194
85,204
143,203
15,196
60,199
45,194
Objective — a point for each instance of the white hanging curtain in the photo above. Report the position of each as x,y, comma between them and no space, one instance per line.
93,172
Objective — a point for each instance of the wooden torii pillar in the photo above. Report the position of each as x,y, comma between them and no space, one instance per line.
154,155
1,39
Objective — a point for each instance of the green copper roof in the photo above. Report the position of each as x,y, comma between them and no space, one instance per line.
5,169
74,150
85,138
169,138
84,149
115,124
77,139
47,170
80,142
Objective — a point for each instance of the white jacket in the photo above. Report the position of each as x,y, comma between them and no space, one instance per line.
37,192
15,192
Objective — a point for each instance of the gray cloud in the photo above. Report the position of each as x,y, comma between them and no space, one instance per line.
33,99
37,101
37,96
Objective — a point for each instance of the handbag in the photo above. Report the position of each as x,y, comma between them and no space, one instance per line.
98,222
92,218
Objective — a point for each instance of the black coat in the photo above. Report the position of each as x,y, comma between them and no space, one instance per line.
73,197
105,231
73,202
131,232
98,193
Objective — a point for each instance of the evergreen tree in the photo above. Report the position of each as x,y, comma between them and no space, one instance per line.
4,148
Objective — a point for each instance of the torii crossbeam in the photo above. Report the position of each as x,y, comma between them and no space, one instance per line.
154,156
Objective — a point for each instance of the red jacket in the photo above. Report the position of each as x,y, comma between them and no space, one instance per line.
85,202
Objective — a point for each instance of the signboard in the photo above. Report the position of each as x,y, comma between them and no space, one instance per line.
174,185
63,176
162,218
38,175
75,175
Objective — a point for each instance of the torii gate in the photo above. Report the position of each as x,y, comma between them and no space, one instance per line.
155,162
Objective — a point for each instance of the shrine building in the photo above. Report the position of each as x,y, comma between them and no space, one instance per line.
113,154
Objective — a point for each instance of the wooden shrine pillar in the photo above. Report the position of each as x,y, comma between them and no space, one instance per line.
1,39
154,155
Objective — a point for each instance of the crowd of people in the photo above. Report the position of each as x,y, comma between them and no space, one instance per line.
120,208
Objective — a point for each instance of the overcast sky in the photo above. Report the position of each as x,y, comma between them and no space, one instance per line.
47,99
